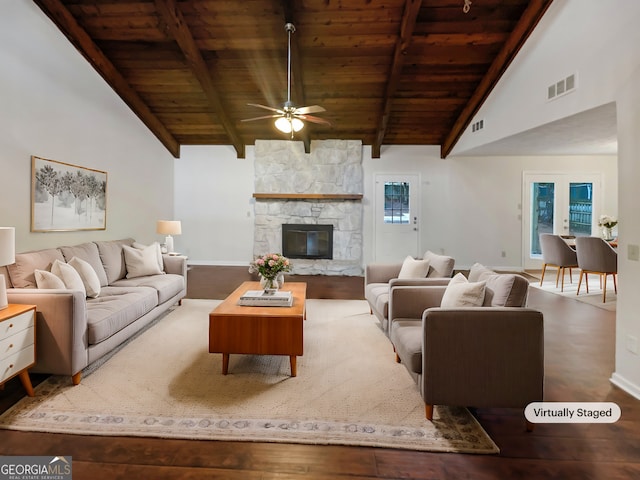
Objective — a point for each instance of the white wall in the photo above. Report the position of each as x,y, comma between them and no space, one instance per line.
627,373
54,105
598,40
213,199
469,206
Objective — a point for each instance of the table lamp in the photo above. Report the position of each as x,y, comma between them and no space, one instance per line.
7,257
168,228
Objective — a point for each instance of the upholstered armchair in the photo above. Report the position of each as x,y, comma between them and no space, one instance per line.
380,277
557,253
598,257
484,356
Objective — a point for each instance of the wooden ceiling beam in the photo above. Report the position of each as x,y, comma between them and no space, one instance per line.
177,28
80,39
407,25
519,35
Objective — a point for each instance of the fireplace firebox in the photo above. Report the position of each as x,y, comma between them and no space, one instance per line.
307,241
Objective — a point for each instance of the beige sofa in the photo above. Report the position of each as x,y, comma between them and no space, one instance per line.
379,278
74,330
485,356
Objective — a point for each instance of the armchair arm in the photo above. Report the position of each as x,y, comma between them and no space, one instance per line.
412,301
482,357
61,328
381,272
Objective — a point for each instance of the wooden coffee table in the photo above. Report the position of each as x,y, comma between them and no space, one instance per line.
258,330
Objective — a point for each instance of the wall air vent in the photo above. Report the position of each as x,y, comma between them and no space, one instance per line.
562,87
479,125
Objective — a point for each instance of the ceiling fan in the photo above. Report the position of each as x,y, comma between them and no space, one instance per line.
289,119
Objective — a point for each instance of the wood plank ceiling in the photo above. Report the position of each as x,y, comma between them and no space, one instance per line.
388,72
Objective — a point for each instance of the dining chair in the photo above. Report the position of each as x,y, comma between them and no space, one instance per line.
557,253
596,256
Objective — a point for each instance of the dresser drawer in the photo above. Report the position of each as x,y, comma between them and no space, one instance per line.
14,364
13,325
16,342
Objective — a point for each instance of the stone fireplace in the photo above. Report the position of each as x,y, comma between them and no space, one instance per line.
323,188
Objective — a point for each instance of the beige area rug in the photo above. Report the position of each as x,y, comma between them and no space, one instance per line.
164,383
594,297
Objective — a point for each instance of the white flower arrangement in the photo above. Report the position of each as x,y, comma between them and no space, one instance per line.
607,221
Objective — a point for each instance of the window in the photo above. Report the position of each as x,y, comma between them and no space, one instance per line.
396,202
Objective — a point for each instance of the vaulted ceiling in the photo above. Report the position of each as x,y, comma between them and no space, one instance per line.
388,72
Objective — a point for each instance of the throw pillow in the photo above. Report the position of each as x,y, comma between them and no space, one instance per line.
140,246
462,293
440,266
48,280
412,268
141,262
69,276
88,275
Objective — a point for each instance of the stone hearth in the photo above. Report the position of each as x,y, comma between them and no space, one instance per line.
332,167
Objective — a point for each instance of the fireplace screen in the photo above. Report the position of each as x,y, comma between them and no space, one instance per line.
307,241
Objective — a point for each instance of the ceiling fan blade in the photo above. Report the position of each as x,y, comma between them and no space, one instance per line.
310,109
260,118
265,107
313,119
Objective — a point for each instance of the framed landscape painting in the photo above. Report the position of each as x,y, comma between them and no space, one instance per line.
66,197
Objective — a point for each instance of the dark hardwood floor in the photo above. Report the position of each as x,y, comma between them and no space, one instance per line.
579,359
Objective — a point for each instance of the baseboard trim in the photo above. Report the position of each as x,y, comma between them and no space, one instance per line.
629,387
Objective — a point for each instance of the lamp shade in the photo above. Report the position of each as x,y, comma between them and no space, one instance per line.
169,227
7,245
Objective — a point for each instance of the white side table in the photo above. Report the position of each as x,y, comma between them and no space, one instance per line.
17,343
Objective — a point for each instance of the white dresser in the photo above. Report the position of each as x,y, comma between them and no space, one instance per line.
17,343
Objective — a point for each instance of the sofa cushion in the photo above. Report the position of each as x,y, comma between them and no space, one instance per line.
167,285
141,262
112,258
406,337
69,276
22,271
462,293
503,289
88,275
48,280
439,265
90,254
412,268
115,308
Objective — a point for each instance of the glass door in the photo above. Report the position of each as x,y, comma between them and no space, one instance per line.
562,204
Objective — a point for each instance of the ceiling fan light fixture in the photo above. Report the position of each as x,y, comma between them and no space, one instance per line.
297,124
284,125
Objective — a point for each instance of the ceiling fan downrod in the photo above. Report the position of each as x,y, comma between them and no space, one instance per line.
289,28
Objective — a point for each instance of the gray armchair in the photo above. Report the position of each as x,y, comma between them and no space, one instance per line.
597,256
557,253
380,277
488,356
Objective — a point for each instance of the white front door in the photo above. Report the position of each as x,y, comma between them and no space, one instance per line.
562,204
396,217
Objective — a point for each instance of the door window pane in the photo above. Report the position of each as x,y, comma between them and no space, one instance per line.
396,202
542,210
580,207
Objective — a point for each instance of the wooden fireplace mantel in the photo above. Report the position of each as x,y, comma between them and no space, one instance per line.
308,196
